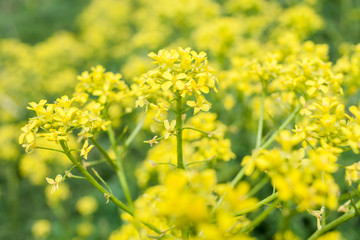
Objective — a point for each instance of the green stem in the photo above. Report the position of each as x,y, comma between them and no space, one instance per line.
282,127
261,217
234,182
69,171
268,142
50,149
165,163
180,162
90,178
258,205
119,159
355,190
94,163
333,224
258,186
115,200
76,177
197,130
261,121
185,234
323,219
238,177
120,168
124,183
201,161
135,132
105,154
101,179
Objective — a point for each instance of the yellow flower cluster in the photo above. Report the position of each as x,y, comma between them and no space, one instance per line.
56,121
348,64
187,200
103,86
308,181
263,62
200,148
179,73
352,173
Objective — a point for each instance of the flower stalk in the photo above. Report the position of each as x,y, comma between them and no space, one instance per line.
90,178
179,128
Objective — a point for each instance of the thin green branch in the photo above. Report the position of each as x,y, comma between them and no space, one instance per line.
179,128
268,142
108,159
75,150
93,163
261,120
197,130
90,178
122,134
238,177
254,223
354,205
101,179
201,161
124,184
258,186
135,132
355,190
154,164
120,170
69,171
112,198
333,224
76,177
50,149
258,205
282,127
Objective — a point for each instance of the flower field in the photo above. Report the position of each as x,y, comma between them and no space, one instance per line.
201,119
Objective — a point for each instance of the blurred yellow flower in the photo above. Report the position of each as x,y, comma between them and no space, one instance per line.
86,205
169,128
41,228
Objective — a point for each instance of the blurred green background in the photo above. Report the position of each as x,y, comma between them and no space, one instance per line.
45,44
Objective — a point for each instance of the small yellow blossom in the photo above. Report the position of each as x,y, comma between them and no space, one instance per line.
319,215
152,141
107,196
169,128
352,173
55,198
84,229
86,149
200,104
333,235
86,205
55,182
41,228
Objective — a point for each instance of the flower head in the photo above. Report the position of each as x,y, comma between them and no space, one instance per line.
169,128
55,182
86,149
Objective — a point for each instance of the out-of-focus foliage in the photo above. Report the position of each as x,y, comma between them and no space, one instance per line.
45,45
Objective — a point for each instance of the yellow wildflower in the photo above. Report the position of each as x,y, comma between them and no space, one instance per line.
152,141
86,205
55,182
86,149
41,228
169,128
